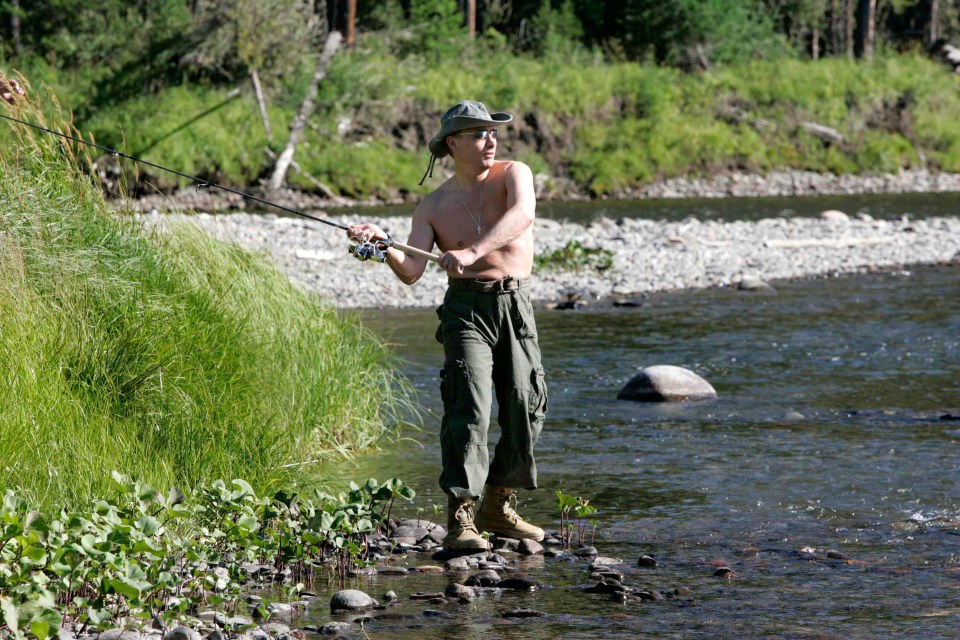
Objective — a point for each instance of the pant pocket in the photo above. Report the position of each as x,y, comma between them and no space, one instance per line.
538,396
521,312
454,386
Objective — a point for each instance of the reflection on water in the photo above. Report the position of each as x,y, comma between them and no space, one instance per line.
870,362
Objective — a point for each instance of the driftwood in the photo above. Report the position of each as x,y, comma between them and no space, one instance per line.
306,109
830,243
261,103
822,132
324,189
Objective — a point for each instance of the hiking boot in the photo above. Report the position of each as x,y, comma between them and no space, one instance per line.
496,515
462,534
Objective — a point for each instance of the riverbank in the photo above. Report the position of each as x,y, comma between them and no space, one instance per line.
647,256
729,185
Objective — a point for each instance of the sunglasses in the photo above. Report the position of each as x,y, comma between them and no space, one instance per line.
480,134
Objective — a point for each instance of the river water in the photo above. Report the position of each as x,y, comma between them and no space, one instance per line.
834,431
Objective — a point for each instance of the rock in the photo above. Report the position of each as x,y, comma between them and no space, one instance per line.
391,596
832,215
523,613
460,592
274,629
393,571
427,595
647,561
456,564
837,555
793,416
181,633
667,383
519,583
216,634
279,608
821,132
237,622
586,551
725,572
120,634
606,586
433,613
486,578
351,600
649,594
604,561
749,283
336,629
505,544
530,548
627,302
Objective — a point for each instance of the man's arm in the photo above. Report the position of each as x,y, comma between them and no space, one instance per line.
407,268
519,216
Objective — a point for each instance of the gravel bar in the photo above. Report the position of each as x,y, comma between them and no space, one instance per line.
648,256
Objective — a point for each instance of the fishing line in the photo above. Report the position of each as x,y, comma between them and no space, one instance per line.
362,250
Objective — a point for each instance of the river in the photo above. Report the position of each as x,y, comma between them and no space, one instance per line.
835,431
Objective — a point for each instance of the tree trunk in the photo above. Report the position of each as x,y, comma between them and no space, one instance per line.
834,27
306,110
15,25
815,43
261,103
472,18
869,37
849,26
934,20
351,22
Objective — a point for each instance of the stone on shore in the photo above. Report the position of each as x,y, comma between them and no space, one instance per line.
667,383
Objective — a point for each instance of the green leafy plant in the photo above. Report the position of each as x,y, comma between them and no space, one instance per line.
575,515
140,554
574,256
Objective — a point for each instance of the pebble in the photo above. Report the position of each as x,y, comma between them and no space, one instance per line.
647,561
336,629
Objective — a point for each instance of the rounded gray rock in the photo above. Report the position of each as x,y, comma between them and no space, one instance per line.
181,633
667,383
351,600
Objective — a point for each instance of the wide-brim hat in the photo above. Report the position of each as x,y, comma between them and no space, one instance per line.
464,115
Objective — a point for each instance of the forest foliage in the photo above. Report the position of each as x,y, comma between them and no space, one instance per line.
608,94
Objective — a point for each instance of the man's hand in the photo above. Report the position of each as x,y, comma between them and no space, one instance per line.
10,90
458,260
366,232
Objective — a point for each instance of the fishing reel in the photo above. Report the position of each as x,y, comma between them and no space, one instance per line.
370,250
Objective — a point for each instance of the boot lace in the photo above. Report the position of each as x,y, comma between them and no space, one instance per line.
464,516
506,505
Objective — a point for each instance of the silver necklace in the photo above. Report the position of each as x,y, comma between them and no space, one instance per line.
464,201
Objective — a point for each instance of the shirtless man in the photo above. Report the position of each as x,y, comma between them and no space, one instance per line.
482,220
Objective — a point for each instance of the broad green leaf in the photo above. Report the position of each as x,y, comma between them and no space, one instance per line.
148,525
11,614
35,522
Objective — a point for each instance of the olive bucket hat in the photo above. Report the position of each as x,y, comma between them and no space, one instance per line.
463,115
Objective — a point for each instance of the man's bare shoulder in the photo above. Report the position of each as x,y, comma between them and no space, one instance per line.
431,203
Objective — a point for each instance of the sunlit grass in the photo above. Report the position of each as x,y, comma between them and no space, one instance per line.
163,353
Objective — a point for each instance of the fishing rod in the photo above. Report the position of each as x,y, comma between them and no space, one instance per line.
373,249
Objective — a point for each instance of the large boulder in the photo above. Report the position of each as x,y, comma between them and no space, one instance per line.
667,383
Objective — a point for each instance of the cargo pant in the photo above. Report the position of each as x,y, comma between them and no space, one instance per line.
490,343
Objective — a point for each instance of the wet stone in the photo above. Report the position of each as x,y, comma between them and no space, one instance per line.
336,629
603,561
505,544
649,594
456,564
523,613
647,561
351,600
486,578
460,592
275,628
530,548
837,555
433,613
586,552
362,571
421,595
392,571
428,568
520,583
390,596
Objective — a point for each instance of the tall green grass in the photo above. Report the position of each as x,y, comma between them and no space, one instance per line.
163,353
